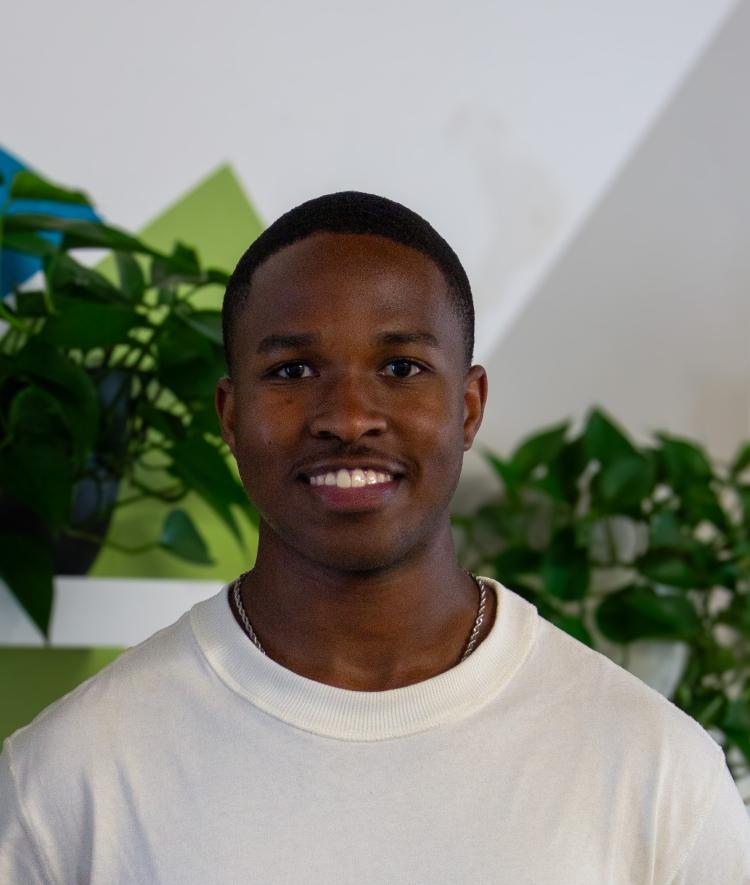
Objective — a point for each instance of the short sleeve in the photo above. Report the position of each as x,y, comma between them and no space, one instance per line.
19,858
720,853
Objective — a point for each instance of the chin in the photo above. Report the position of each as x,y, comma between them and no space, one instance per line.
349,560
368,555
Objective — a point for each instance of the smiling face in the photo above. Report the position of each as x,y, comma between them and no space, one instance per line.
350,406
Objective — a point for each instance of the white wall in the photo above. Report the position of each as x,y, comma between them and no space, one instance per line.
648,310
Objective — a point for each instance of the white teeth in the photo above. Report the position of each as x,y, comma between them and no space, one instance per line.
346,479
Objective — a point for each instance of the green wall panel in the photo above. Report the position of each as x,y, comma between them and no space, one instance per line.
219,221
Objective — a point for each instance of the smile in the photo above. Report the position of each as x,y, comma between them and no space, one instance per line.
357,478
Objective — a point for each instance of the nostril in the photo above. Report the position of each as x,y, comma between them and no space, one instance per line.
347,427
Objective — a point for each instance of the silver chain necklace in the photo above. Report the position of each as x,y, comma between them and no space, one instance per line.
471,644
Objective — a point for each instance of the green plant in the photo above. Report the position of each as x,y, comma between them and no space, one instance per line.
106,388
608,538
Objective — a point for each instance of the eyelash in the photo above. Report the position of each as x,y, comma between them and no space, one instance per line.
414,364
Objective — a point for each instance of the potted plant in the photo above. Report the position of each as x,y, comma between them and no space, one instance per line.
106,384
625,542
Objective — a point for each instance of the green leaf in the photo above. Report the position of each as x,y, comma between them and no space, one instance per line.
185,259
67,276
203,469
736,725
515,563
538,449
79,234
603,440
33,303
183,267
623,483
666,530
743,494
193,381
667,568
189,363
565,568
87,325
129,270
741,460
39,476
737,717
638,612
178,344
26,567
36,415
216,276
204,322
168,425
68,383
27,185
27,243
741,740
204,420
503,469
718,659
685,461
560,480
166,295
180,537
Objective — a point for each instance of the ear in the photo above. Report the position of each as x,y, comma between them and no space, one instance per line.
475,397
224,402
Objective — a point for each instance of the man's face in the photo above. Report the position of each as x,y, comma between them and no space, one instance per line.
350,407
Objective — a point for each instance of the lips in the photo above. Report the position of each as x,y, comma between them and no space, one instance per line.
365,499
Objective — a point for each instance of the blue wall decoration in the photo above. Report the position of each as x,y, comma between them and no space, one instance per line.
16,267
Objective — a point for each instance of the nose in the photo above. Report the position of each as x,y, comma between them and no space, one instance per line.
348,410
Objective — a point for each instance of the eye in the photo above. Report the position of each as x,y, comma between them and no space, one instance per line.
292,371
402,368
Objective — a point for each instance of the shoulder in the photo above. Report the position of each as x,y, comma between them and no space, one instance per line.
631,749
617,701
632,741
108,709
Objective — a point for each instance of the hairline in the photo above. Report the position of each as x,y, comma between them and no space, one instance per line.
244,288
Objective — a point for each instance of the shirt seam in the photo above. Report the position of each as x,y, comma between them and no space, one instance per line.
26,824
692,842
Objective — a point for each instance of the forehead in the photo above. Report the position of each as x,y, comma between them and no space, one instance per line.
330,276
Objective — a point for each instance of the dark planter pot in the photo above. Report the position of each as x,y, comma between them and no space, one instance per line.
93,497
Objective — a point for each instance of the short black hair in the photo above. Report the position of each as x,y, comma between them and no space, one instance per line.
351,212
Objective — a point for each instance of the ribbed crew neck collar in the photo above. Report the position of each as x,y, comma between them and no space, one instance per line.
366,715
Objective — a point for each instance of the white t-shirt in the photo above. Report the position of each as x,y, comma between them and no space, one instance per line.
194,758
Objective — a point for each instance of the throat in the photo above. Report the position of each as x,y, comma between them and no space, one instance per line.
367,653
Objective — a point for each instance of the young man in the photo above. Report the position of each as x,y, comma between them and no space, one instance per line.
356,708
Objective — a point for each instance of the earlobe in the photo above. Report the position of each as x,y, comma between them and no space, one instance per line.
475,397
224,402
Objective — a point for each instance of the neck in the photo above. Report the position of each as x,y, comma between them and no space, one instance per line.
365,631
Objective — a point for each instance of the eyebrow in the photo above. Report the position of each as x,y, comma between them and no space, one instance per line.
272,343
408,338
286,342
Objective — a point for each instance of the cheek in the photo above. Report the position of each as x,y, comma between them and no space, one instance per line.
436,428
269,422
